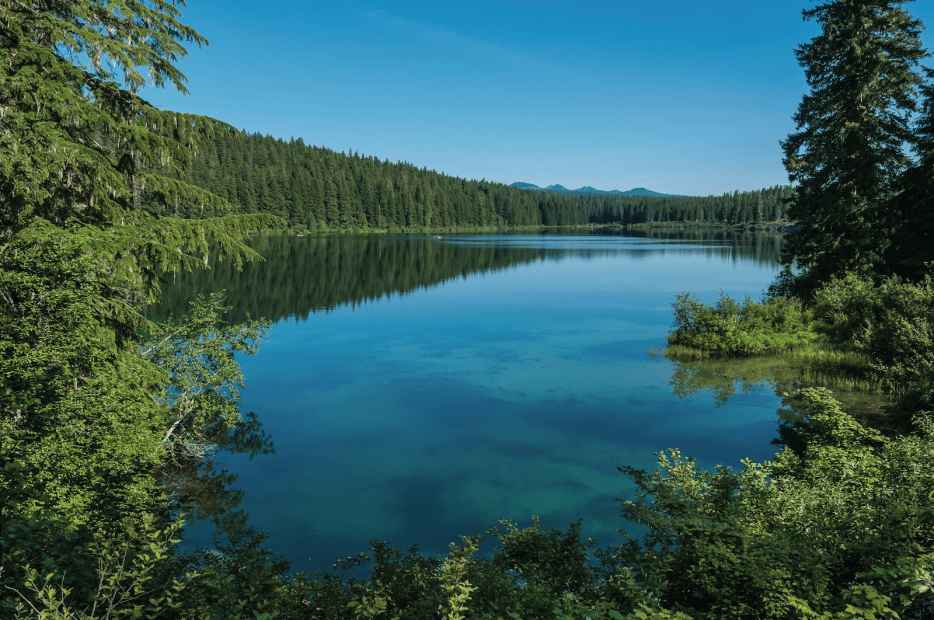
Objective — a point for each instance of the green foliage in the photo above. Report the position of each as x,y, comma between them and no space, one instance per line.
730,329
699,555
552,560
814,529
88,530
73,136
78,406
891,321
239,579
455,586
78,145
910,254
57,566
202,392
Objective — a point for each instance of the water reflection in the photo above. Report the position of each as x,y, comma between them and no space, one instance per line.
318,273
782,375
447,383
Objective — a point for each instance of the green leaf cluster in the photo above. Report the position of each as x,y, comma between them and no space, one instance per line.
841,522
89,429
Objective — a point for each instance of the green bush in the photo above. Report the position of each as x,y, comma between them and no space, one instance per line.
891,321
839,527
728,328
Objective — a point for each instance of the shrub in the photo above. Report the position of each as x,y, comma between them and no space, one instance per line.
892,322
728,328
839,526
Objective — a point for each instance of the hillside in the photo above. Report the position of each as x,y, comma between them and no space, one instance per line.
316,189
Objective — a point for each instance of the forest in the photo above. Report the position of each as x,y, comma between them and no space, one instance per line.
317,189
110,419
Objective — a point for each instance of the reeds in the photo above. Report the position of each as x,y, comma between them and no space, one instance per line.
841,380
681,353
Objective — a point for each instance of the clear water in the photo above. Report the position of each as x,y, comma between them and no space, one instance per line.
502,389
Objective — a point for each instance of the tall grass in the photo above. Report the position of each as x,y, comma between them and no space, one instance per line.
683,353
825,354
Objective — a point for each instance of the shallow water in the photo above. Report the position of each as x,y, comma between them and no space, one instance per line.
417,389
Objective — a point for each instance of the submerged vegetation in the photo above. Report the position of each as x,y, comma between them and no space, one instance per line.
109,421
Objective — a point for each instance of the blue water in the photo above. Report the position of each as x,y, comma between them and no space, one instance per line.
421,416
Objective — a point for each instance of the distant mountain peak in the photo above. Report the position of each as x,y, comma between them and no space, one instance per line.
636,191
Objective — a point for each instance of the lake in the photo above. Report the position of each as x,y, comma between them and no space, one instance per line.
419,388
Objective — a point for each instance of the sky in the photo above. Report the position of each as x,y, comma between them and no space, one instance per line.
680,97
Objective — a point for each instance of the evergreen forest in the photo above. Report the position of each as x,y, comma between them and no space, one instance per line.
109,418
317,189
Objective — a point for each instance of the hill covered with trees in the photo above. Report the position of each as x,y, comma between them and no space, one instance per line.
317,189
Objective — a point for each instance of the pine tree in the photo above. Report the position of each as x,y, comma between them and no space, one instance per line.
852,126
331,205
80,149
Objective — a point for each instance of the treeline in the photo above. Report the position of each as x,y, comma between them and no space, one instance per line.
316,189
760,206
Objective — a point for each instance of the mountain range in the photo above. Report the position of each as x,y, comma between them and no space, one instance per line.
637,191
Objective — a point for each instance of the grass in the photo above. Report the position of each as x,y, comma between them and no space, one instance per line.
683,353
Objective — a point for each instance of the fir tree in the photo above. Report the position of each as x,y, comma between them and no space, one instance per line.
852,126
80,149
911,253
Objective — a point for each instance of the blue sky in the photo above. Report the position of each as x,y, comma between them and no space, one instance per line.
683,97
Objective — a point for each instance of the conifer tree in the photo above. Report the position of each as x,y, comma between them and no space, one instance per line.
851,128
911,252
332,212
89,172
79,146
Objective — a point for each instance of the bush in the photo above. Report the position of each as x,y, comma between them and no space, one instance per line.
892,322
838,527
727,328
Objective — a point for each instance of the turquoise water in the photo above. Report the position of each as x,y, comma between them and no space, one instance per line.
435,409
